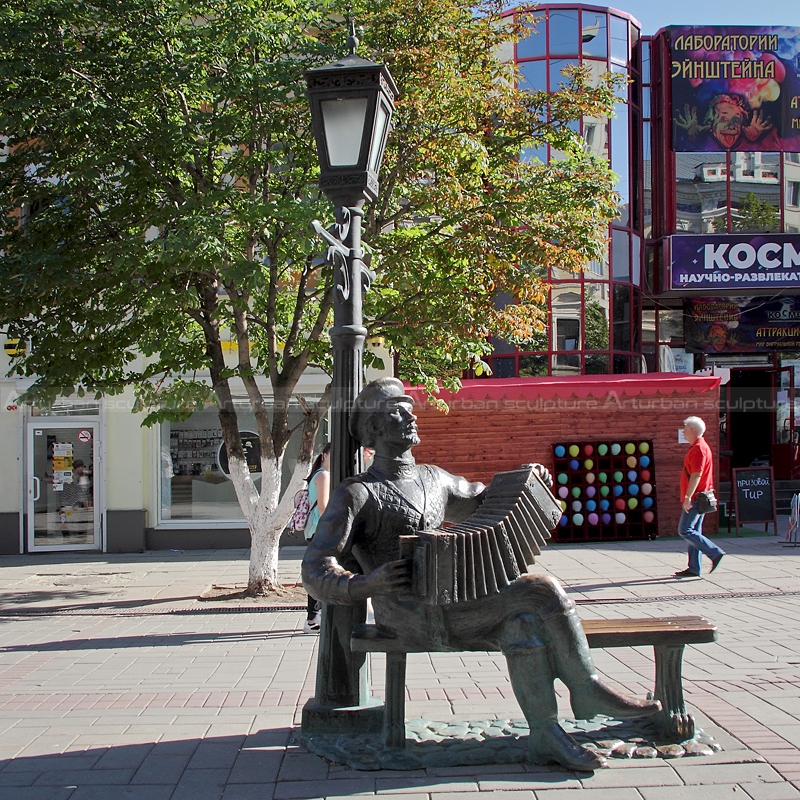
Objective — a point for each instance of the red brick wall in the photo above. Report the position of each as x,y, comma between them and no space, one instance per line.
482,436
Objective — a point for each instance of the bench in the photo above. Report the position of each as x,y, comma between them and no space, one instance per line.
667,635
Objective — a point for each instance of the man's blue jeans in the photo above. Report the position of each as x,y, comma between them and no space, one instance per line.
690,528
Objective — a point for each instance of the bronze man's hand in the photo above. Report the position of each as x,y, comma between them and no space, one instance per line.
542,471
386,579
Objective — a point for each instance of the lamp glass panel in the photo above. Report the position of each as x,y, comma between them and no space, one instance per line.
344,128
381,124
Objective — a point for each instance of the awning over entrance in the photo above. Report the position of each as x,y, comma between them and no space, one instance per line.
599,386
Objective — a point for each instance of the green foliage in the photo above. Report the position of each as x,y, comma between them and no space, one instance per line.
756,216
162,154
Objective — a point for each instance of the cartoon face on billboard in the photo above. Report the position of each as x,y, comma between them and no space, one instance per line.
735,89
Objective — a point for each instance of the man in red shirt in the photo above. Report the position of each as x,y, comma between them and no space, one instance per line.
697,476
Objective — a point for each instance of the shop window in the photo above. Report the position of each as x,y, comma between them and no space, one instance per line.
504,367
620,150
791,198
646,102
594,34
566,364
636,319
647,180
595,317
701,193
194,485
670,325
532,366
568,332
563,30
636,262
622,318
755,193
596,364
595,129
622,365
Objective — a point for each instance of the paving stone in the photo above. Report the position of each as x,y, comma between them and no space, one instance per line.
725,773
771,791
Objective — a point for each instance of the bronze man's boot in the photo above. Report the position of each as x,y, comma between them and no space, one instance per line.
532,680
589,695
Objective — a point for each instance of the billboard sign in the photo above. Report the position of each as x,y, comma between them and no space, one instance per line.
735,88
741,262
742,324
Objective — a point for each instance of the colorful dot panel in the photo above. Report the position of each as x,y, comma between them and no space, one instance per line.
607,490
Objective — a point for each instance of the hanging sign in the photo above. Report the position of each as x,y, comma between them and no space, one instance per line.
742,324
738,262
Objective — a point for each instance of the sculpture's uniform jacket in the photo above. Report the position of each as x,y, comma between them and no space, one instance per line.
360,531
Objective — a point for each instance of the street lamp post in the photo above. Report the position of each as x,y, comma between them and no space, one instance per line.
352,101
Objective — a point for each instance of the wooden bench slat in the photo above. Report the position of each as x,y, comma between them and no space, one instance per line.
599,632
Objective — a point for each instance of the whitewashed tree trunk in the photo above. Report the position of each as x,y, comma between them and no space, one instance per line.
266,514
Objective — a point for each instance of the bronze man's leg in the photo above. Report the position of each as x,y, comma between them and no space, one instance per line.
532,680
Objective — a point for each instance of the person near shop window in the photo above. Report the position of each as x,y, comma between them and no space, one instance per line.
697,476
319,489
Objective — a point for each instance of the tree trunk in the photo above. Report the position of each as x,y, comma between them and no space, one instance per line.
266,514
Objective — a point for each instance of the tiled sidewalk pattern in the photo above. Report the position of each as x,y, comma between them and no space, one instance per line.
115,682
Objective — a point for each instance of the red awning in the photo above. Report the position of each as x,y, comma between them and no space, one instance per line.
648,385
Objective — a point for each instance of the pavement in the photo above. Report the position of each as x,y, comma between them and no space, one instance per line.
117,681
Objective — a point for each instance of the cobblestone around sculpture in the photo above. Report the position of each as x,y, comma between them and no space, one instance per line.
457,743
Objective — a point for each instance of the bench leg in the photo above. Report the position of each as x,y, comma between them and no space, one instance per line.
394,720
673,720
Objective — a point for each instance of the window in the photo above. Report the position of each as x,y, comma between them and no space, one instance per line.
533,75
619,40
594,34
193,481
535,43
563,29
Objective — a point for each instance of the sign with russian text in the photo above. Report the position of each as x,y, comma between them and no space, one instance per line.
741,262
754,496
742,324
735,88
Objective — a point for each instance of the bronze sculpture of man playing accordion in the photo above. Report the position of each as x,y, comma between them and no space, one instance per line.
354,555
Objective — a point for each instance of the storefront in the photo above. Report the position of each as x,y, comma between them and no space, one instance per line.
86,476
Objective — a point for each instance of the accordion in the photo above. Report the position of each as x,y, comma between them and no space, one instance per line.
490,549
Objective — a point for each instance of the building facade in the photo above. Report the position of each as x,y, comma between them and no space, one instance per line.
702,270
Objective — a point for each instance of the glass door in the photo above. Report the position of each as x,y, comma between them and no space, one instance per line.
62,509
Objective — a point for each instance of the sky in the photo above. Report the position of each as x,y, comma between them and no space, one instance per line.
655,14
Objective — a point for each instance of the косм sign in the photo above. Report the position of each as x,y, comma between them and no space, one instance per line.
703,262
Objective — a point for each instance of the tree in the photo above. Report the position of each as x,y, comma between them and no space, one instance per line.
751,215
161,154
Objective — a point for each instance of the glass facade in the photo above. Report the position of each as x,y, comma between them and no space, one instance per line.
594,316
